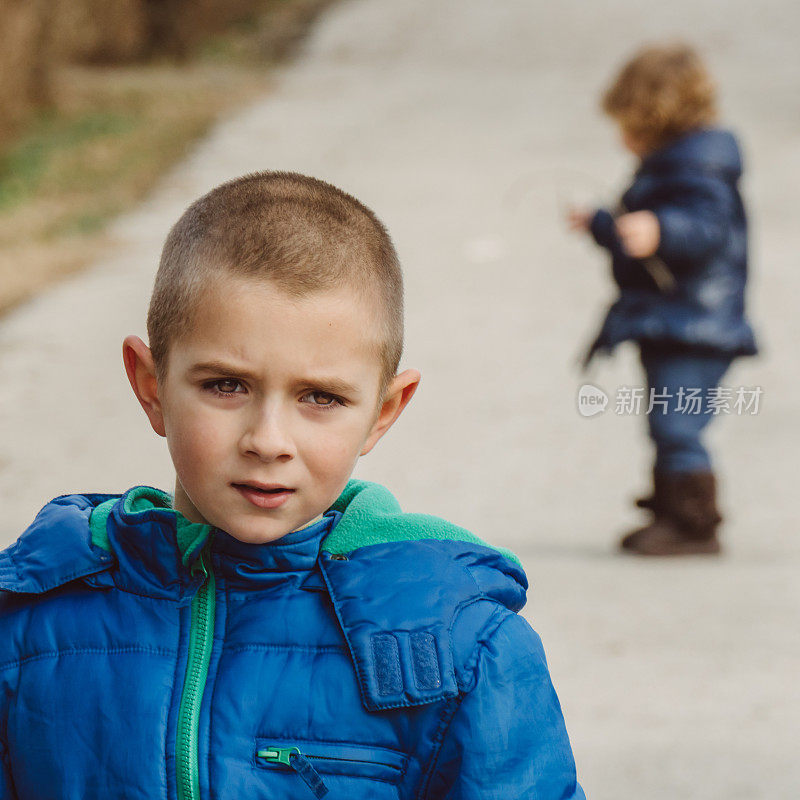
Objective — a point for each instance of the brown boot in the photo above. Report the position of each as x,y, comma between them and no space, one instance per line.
655,500
686,518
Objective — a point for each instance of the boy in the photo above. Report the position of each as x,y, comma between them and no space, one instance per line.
678,245
273,629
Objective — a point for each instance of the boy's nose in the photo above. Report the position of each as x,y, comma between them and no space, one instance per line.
267,437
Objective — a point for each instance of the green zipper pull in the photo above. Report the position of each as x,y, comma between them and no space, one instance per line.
279,755
292,757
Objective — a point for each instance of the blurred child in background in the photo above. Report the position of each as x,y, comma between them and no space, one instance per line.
678,245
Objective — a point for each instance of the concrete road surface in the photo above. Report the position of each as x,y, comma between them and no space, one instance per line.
467,126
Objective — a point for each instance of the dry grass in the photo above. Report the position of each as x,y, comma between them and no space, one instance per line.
109,136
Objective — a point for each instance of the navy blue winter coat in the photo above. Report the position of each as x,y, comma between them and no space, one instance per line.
692,292
143,656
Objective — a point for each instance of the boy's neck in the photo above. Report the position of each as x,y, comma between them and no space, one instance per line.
183,505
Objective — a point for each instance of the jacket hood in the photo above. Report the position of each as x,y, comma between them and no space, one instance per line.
135,541
411,592
55,548
712,149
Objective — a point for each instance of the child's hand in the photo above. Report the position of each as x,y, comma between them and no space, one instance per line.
639,233
579,219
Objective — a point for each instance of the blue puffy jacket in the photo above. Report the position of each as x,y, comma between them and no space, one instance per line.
692,292
374,654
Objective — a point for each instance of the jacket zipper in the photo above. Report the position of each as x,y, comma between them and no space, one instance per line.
292,757
282,755
201,639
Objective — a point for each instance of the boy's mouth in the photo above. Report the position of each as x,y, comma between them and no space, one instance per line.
264,495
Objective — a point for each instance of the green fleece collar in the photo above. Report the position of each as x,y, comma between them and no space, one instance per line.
372,515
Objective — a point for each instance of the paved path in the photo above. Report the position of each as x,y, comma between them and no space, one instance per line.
467,125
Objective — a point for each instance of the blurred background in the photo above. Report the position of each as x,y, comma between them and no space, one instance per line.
468,127
98,98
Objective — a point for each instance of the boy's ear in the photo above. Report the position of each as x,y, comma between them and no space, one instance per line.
141,372
399,392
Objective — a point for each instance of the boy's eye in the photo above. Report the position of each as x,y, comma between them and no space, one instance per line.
225,386
322,399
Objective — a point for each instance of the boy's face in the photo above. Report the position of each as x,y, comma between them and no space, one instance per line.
267,405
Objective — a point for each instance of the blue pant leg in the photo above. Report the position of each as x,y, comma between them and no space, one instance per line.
676,434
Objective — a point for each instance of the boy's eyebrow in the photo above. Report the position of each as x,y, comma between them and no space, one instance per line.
328,384
333,386
219,367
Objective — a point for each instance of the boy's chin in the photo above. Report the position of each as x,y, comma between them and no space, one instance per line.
258,537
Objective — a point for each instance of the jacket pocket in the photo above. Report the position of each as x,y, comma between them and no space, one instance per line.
332,758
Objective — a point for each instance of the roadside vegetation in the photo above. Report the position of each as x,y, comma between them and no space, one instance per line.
89,133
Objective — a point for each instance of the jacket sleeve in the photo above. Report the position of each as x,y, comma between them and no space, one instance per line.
508,738
696,222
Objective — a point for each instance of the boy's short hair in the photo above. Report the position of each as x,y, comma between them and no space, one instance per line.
300,233
663,92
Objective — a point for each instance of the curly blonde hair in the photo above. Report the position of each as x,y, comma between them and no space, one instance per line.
663,92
